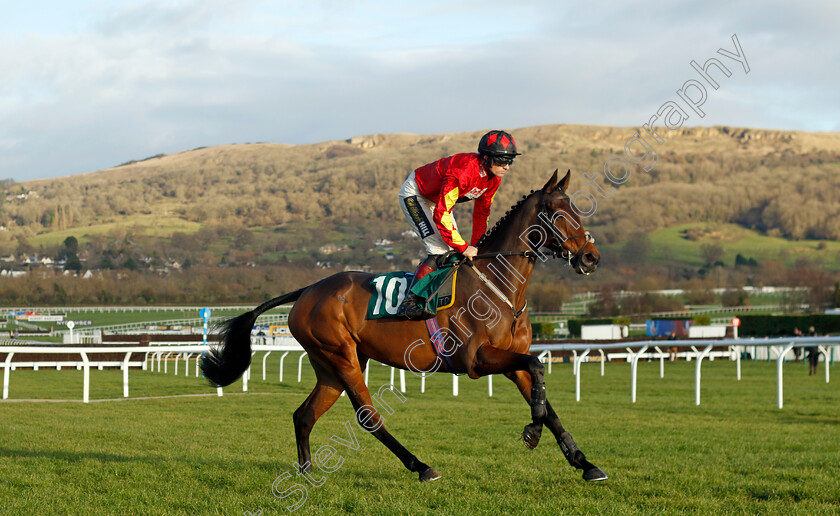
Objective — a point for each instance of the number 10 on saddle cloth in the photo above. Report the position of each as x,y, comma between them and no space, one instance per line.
390,289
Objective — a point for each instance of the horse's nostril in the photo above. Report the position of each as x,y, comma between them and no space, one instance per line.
589,259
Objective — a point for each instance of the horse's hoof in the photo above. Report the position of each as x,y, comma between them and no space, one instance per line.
429,475
531,436
594,475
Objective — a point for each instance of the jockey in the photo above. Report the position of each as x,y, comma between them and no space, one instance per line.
430,193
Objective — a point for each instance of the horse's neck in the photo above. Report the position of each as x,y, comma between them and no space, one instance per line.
510,272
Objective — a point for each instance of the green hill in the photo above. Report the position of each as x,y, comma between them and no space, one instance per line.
671,245
770,196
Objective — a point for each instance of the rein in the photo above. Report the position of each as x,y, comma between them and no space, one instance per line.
527,254
498,292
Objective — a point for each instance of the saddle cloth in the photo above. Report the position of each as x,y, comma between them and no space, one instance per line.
390,289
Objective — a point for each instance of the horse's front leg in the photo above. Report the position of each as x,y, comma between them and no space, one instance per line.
492,360
564,439
531,433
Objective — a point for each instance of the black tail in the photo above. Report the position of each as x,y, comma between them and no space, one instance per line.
227,361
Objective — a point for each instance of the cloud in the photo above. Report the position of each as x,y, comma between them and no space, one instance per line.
148,77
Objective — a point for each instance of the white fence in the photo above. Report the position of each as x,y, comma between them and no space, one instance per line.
651,349
161,353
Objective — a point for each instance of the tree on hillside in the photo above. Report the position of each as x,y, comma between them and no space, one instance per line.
697,292
73,263
712,253
637,248
23,246
739,297
547,297
605,305
70,246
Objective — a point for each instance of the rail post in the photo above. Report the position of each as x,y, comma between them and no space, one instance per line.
780,362
578,360
86,381
125,374
7,368
542,358
264,358
603,359
282,358
247,376
300,365
700,356
634,363
166,363
661,362
824,351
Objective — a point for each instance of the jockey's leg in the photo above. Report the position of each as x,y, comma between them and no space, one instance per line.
419,212
413,306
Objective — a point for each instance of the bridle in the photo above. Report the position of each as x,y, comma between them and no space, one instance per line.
556,242
558,250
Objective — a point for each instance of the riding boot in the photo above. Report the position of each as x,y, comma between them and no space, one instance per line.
413,306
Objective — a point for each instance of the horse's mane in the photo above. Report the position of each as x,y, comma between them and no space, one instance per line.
502,221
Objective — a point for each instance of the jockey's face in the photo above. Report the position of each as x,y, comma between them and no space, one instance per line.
499,170
499,166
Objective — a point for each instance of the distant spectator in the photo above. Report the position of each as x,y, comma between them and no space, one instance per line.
673,351
813,359
797,351
813,354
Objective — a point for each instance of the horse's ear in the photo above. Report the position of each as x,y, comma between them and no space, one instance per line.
551,182
564,183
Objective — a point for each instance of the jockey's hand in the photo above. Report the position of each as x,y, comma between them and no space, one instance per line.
470,252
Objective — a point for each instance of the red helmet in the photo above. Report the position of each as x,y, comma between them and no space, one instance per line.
497,143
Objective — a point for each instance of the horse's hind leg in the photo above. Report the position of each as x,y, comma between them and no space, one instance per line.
369,419
323,396
570,450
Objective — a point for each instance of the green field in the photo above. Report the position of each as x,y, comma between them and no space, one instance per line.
149,225
736,453
668,245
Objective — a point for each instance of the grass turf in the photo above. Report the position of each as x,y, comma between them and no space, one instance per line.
735,453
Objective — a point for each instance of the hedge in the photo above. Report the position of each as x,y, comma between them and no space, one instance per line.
543,330
784,325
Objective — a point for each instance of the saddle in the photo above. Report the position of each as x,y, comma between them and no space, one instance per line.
390,289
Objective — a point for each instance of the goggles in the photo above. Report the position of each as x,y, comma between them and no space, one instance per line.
501,161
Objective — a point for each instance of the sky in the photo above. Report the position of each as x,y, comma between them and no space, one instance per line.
89,84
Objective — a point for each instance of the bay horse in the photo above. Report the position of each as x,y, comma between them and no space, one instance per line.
328,320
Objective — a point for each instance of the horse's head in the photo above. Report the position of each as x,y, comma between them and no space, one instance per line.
569,239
